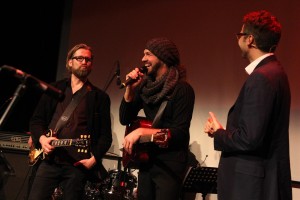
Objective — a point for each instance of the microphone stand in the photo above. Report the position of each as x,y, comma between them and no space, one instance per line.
18,93
111,79
116,74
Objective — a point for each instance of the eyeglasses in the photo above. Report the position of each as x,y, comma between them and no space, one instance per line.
239,35
81,58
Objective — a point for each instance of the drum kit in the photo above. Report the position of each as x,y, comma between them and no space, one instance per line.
118,185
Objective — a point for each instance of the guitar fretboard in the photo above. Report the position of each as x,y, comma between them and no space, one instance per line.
61,142
83,143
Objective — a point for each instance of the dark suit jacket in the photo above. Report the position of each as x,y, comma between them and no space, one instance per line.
255,161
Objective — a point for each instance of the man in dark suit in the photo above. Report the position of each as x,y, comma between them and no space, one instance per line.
255,162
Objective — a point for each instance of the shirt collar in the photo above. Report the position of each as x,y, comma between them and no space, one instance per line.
250,68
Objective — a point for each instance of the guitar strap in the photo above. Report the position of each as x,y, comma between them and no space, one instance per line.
159,163
155,123
159,114
61,121
70,108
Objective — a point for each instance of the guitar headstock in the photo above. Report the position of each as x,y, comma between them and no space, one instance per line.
83,143
162,138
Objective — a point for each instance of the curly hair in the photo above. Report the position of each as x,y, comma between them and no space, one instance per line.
265,28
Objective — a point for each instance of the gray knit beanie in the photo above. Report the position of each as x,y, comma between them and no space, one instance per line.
165,50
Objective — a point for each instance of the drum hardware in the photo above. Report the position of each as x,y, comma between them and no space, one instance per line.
57,194
119,185
113,156
92,191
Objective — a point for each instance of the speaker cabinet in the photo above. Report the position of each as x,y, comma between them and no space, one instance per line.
15,174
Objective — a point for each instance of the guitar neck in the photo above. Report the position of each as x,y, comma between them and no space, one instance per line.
62,142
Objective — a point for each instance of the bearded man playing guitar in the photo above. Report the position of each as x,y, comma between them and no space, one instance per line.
162,170
70,166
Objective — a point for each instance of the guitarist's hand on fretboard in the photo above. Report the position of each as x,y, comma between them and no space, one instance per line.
45,143
49,143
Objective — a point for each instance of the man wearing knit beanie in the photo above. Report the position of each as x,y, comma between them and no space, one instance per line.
162,88
165,50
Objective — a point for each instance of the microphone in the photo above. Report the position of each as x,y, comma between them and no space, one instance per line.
13,71
45,87
130,81
118,72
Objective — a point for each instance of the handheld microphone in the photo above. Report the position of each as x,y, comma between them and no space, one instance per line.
130,81
45,87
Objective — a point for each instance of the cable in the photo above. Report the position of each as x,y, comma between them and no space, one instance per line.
203,161
22,186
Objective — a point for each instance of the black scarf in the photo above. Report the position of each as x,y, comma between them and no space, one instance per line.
155,91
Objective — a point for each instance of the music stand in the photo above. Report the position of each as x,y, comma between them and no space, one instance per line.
201,180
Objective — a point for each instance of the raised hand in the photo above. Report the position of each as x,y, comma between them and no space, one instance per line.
212,125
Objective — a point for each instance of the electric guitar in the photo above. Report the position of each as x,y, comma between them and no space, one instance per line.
37,154
140,150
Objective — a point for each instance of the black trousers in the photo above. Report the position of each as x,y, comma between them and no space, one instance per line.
161,181
50,175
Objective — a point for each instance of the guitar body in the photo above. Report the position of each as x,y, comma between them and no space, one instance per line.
140,150
37,154
34,155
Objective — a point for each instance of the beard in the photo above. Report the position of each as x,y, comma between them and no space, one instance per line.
80,73
154,68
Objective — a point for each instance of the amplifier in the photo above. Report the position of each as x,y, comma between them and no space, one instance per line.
14,141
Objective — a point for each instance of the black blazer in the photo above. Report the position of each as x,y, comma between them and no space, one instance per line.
98,115
255,162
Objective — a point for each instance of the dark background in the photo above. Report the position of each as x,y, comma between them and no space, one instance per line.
30,39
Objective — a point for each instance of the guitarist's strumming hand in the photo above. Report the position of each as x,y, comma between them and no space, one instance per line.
131,139
134,137
45,143
138,135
